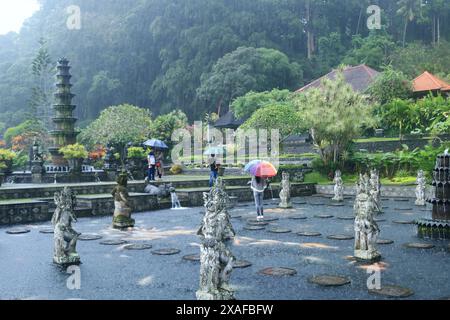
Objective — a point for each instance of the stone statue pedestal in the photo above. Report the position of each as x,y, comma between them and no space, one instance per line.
367,255
123,222
218,295
72,259
37,170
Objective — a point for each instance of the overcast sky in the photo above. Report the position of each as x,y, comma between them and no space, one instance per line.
14,12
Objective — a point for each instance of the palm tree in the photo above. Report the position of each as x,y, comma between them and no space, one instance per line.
409,10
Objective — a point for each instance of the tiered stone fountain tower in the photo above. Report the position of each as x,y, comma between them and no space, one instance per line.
64,121
438,227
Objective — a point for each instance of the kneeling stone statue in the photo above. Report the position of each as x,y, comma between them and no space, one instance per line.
65,236
216,232
122,212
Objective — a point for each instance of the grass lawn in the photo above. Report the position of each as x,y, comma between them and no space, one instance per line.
350,179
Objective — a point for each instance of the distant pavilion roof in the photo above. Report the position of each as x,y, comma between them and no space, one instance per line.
359,77
429,82
229,121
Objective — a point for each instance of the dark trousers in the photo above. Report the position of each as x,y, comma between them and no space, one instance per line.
151,173
212,178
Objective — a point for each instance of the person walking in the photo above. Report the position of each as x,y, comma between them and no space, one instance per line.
259,185
214,169
160,164
151,166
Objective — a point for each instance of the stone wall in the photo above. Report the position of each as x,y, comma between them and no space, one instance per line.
386,191
27,212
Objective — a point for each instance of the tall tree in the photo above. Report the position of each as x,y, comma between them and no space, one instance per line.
41,93
409,10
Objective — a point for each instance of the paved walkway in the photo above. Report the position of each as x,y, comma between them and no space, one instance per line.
112,272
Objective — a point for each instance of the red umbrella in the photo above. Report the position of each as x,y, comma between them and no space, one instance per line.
261,169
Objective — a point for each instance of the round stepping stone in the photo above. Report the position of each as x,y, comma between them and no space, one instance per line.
403,221
166,252
379,220
385,241
393,291
329,280
346,218
279,230
297,217
236,217
323,216
18,231
401,200
385,199
138,246
113,242
317,204
309,234
89,237
257,223
403,209
417,245
278,272
385,207
336,205
241,264
299,202
254,228
192,257
47,231
340,237
270,219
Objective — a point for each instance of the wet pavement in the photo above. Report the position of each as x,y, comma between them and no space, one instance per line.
116,272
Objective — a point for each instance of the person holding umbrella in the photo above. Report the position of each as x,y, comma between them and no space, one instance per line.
214,167
151,166
260,171
155,162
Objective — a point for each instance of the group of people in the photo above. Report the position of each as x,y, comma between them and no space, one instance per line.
155,165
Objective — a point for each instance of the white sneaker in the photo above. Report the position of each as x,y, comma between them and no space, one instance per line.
258,218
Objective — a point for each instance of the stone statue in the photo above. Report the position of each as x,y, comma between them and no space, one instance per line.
122,212
338,187
216,232
65,236
37,155
285,192
361,185
375,187
37,163
366,229
420,189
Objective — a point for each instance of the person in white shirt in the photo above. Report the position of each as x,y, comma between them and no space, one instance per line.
151,166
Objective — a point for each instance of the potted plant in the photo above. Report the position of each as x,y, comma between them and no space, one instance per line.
75,155
7,158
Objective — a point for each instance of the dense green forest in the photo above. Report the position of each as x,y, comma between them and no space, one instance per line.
199,55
